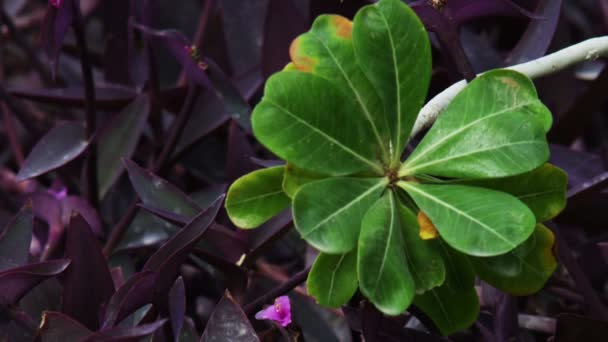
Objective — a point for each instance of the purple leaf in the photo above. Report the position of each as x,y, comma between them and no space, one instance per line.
238,162
463,11
228,323
174,252
16,282
177,306
106,97
186,54
284,23
119,140
47,208
87,283
539,34
132,295
57,327
125,334
59,146
15,239
269,232
81,206
57,22
157,192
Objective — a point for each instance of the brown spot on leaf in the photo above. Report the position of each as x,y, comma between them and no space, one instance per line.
509,82
300,62
344,27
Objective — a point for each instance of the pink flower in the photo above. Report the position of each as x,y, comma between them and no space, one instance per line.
55,3
279,312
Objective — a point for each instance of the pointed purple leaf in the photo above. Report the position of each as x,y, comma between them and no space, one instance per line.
81,206
157,192
15,239
55,26
87,283
119,140
284,22
125,334
59,146
177,306
16,282
138,291
174,252
238,162
57,327
228,322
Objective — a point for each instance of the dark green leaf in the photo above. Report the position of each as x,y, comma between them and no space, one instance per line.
332,279
384,277
292,121
524,270
294,178
328,213
475,221
495,127
256,197
393,49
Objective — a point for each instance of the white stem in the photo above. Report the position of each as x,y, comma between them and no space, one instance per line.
588,50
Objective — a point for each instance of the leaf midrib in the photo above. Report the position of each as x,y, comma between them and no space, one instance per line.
254,198
375,166
333,277
387,244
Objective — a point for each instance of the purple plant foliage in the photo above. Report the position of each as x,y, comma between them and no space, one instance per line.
156,255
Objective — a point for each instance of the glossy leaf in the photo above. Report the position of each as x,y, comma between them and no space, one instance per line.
332,279
524,270
18,281
59,146
475,221
157,192
58,327
328,213
327,51
424,257
384,277
495,127
56,25
294,178
543,190
256,197
293,121
392,48
174,252
87,283
15,239
119,141
453,306
228,322
177,306
136,292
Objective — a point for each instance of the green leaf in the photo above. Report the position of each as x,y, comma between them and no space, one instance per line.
294,178
453,306
495,127
327,51
423,256
328,213
524,270
58,147
392,48
309,122
543,190
120,141
256,197
332,279
384,277
475,221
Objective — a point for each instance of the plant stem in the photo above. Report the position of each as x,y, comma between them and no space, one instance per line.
587,50
208,8
292,282
90,167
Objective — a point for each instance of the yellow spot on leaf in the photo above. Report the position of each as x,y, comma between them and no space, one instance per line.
300,62
427,228
344,27
509,82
